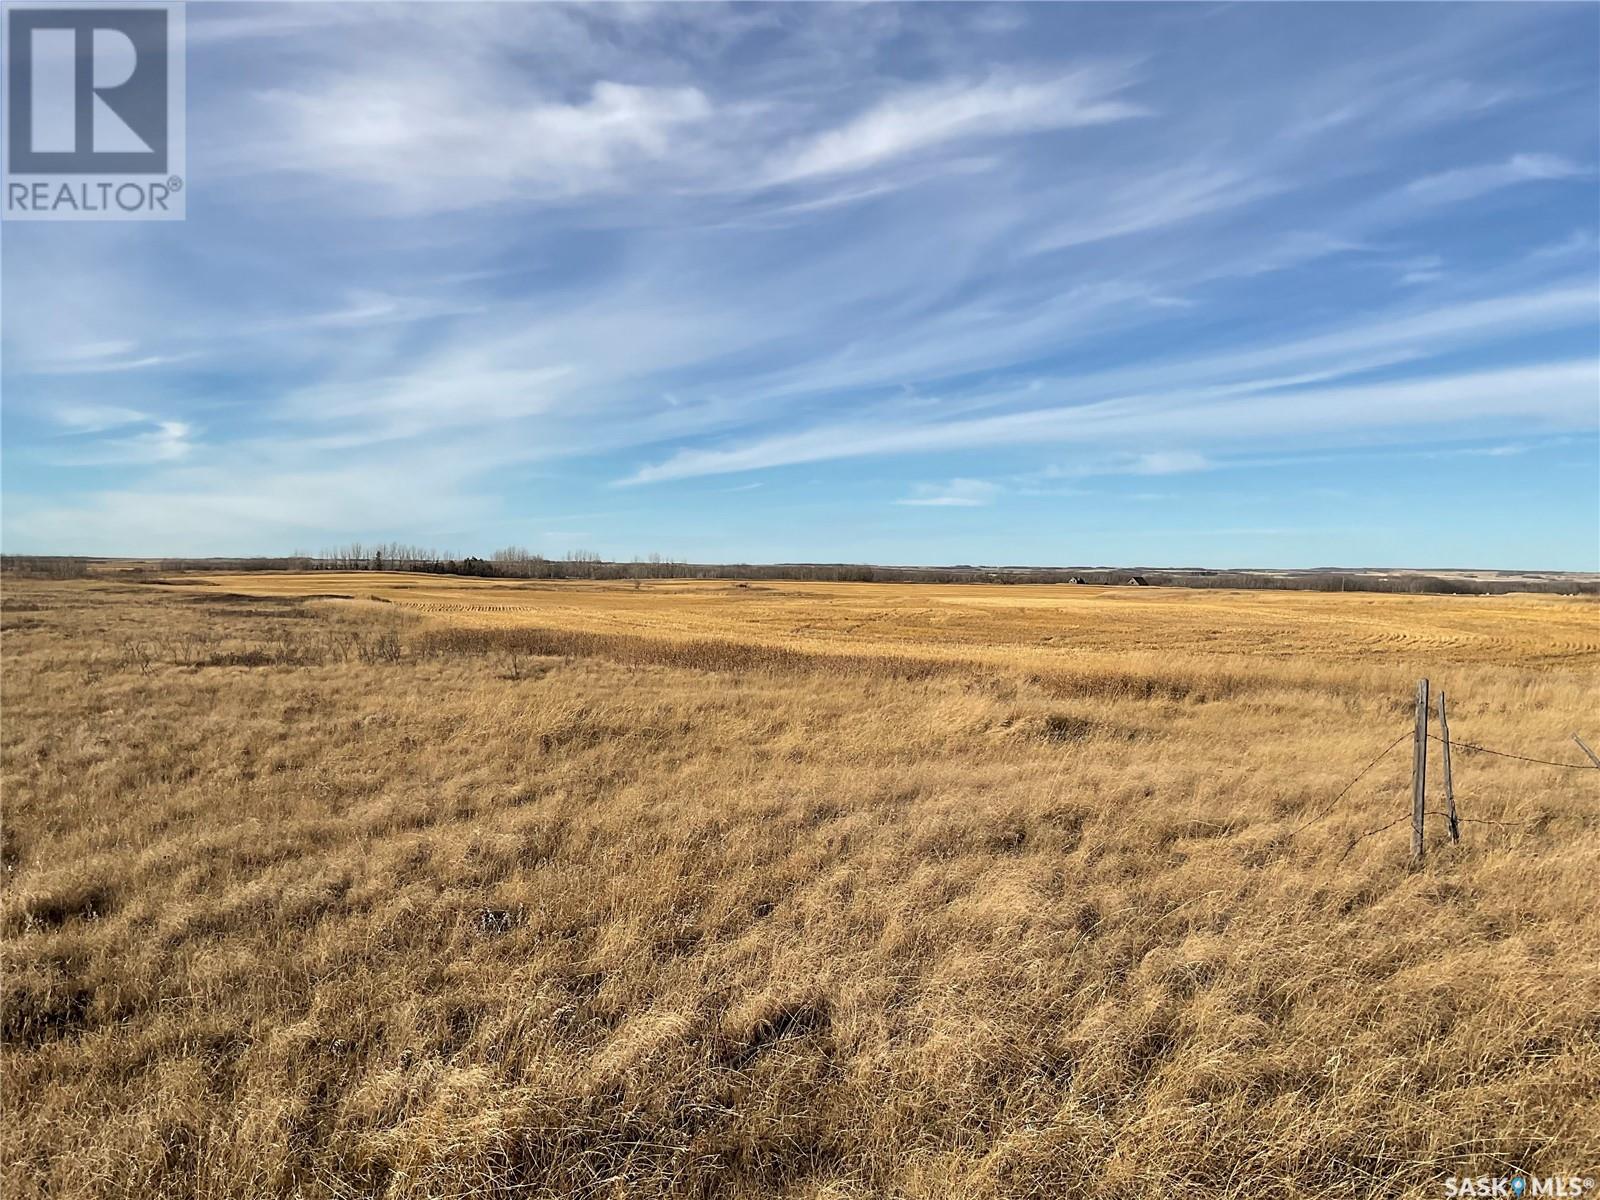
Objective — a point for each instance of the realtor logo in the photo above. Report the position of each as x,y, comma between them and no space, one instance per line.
94,113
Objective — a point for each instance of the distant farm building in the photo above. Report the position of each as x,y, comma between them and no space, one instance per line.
1138,581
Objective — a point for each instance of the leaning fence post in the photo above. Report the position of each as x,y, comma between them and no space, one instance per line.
1419,771
1449,784
1582,745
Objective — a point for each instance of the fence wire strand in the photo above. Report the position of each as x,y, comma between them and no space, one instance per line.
1344,791
1432,812
1454,745
1544,762
1380,829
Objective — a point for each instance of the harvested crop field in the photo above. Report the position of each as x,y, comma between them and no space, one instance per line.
1029,626
334,885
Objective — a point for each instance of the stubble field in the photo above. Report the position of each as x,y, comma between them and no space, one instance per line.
398,886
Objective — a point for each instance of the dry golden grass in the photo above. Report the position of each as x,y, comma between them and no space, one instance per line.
1032,626
790,890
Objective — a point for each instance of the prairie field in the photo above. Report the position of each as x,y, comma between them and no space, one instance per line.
382,885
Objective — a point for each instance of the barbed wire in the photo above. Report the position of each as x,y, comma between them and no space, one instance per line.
1380,829
1382,754
1455,745
1429,812
1344,791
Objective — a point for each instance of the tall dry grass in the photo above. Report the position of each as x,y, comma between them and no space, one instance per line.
622,895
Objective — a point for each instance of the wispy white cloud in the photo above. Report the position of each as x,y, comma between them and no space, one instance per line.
1149,462
161,442
957,493
113,435
1162,395
94,418
917,118
1428,268
1559,395
109,365
1168,462
1164,198
1580,244
441,140
1467,183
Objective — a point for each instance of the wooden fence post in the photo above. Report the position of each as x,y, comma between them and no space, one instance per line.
1419,771
1593,757
1449,784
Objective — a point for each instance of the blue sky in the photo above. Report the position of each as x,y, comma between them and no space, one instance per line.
1204,284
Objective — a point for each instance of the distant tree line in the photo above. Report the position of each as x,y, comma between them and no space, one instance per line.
44,566
517,562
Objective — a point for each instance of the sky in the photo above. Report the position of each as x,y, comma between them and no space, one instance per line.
1216,285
